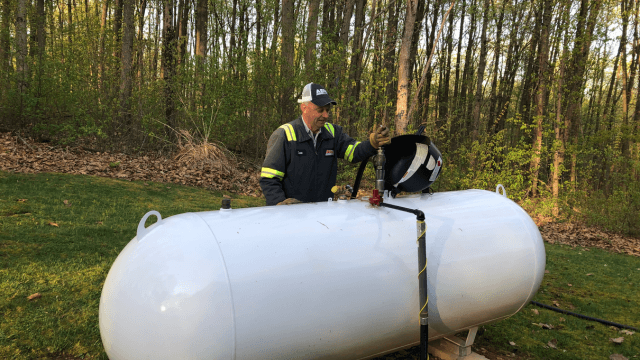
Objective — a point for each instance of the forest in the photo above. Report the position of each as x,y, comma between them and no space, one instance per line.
540,95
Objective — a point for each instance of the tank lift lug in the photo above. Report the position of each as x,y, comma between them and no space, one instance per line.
455,348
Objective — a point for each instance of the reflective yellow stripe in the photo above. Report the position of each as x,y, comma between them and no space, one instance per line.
348,155
289,131
329,127
271,173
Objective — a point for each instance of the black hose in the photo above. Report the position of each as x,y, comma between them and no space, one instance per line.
418,213
585,317
356,185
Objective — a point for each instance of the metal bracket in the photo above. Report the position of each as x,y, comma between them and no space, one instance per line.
455,348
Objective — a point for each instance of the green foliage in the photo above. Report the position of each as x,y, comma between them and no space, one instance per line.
485,165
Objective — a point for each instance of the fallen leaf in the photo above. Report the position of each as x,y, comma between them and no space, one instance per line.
544,326
569,285
546,271
617,357
627,332
53,224
553,343
589,274
34,296
556,304
99,223
512,343
561,319
66,203
535,311
618,340
22,200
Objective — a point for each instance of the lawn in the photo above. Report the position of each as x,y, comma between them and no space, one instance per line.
59,235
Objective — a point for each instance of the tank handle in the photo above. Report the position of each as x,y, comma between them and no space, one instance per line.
142,231
504,191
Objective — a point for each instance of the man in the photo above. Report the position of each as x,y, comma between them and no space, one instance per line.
301,162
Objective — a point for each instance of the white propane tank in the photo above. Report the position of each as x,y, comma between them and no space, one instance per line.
332,280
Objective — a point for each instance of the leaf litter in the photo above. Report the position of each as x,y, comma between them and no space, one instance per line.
206,164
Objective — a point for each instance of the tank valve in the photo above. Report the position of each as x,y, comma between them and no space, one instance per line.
226,203
378,163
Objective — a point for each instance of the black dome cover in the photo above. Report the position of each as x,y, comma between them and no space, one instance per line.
413,163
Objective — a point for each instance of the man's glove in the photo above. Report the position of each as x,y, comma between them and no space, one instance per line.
380,137
339,191
289,201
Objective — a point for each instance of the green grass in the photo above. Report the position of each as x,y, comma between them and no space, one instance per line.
69,263
611,293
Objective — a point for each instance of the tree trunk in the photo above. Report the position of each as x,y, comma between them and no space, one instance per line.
404,71
482,62
468,70
140,54
168,66
443,92
183,34
576,71
125,72
202,15
103,24
5,45
22,66
117,30
355,69
390,60
625,143
312,31
560,141
543,57
286,65
493,113
41,40
156,41
70,29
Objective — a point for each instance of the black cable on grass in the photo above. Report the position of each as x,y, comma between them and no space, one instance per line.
585,317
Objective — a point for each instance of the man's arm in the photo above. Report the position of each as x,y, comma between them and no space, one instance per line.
350,149
273,168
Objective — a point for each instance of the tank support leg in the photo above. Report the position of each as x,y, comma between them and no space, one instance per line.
455,348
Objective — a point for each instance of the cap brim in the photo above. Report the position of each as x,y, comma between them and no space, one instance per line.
324,100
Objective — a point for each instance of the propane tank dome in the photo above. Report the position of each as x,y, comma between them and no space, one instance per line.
413,163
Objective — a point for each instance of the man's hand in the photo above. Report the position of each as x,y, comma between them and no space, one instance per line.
380,137
339,191
289,201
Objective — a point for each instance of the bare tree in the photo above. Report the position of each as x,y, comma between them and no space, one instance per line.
126,60
404,72
286,65
543,58
22,66
312,31
168,63
482,63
